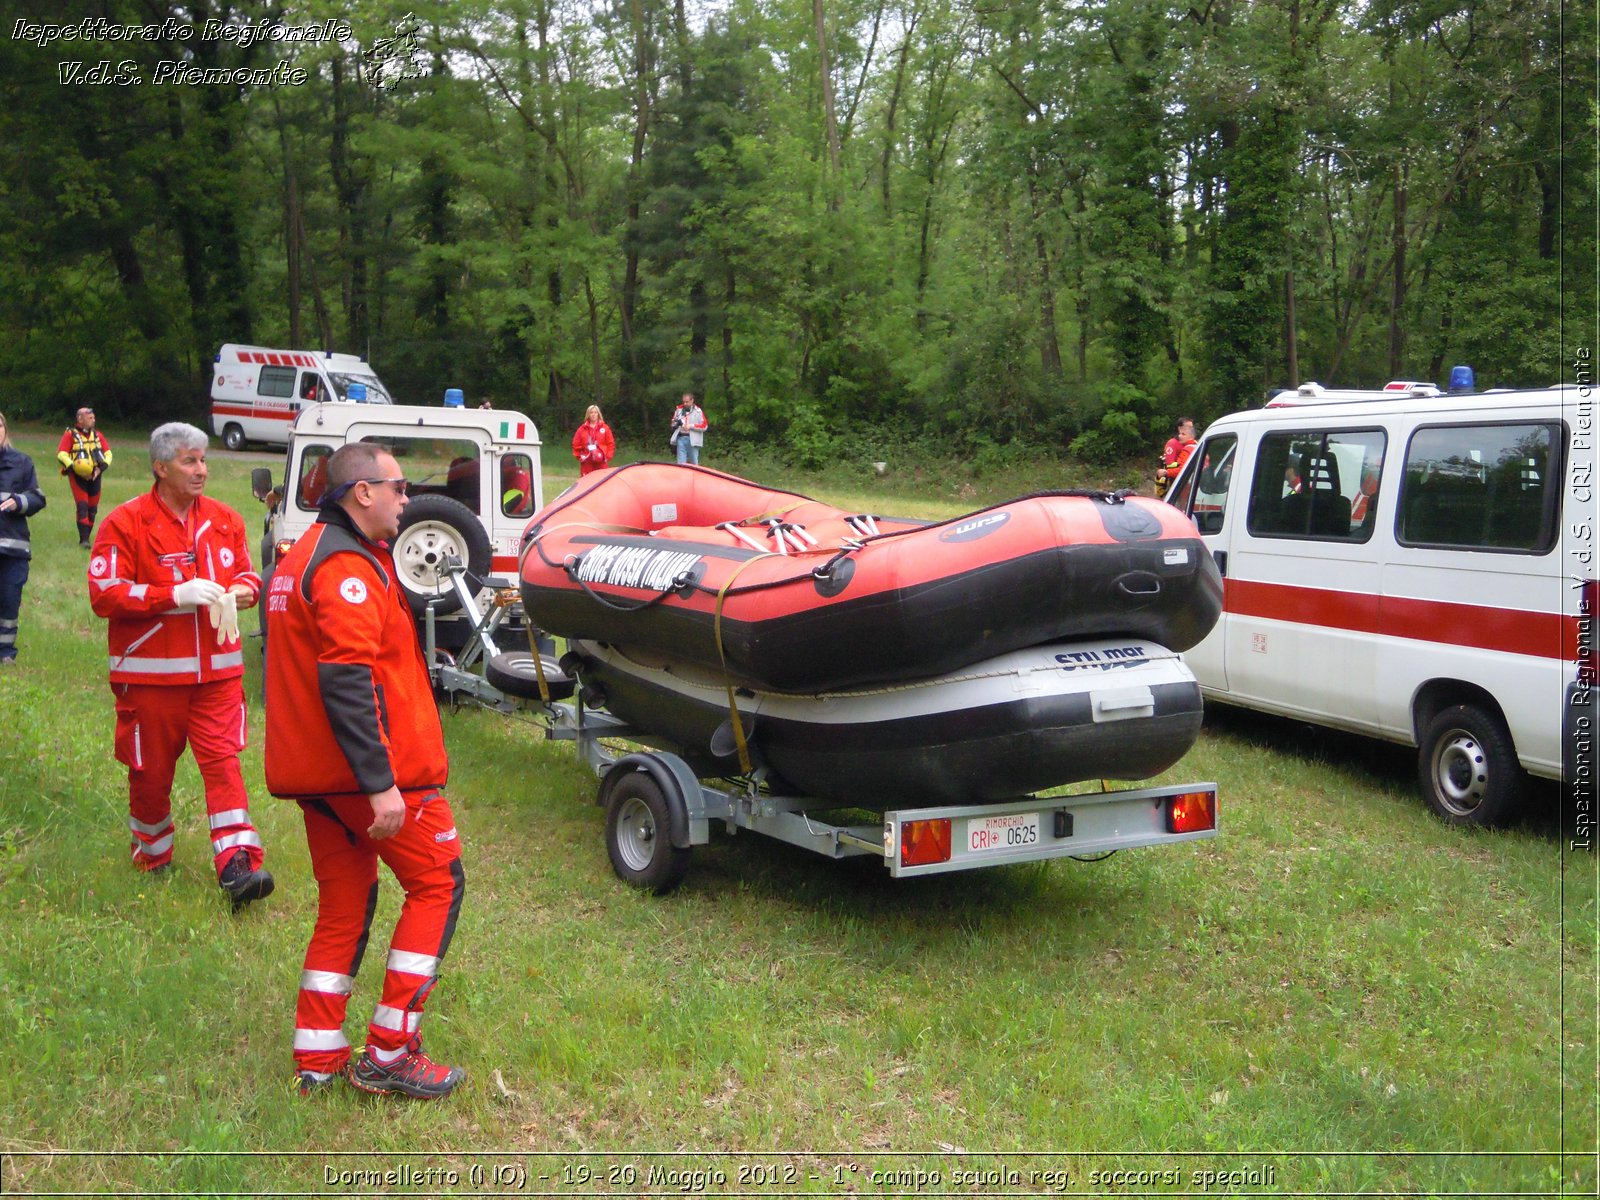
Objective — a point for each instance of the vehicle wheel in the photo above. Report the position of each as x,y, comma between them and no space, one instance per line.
431,528
637,840
1468,767
233,437
514,674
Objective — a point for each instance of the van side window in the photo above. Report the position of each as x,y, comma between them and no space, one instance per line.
309,382
516,485
1482,487
1202,491
276,381
1317,484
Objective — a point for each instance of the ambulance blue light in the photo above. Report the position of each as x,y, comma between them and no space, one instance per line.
453,398
1462,379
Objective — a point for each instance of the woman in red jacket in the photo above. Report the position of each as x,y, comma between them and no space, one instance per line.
593,446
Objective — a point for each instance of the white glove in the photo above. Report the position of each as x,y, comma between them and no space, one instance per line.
225,617
196,592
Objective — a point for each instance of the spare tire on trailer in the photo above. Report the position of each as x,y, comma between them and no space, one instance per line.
515,675
432,528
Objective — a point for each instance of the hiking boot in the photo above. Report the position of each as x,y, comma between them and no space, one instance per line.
242,883
309,1083
412,1074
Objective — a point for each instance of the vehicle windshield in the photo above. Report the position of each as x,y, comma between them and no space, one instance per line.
376,392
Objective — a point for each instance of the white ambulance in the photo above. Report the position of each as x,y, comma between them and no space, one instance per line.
1414,566
256,393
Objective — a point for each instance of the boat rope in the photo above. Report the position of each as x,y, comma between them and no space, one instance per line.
739,739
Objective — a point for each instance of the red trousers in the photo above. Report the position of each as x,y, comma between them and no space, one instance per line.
154,724
425,857
86,496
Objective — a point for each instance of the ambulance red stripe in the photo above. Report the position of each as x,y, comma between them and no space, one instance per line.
245,410
1505,630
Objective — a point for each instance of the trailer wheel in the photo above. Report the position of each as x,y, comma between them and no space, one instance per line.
233,437
1468,767
432,527
642,853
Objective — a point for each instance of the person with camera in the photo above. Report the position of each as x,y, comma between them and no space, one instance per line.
85,455
688,430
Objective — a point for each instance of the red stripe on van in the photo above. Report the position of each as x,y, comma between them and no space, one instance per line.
245,410
276,360
1506,630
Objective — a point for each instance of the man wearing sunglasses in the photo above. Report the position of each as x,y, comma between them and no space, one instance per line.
353,735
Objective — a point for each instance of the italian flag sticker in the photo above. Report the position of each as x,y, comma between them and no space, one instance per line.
513,429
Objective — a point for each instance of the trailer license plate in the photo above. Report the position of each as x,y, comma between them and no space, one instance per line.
1015,831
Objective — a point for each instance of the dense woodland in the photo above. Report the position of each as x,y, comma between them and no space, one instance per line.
971,224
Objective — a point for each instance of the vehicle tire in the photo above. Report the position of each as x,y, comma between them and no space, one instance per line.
431,528
514,674
233,437
1468,767
637,839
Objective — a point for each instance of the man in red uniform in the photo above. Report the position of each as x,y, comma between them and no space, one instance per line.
1174,454
84,455
353,735
169,571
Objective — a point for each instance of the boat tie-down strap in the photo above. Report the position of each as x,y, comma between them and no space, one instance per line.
739,738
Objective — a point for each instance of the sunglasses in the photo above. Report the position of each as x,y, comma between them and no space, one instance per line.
400,484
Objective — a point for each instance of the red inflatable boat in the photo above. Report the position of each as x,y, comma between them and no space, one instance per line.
792,595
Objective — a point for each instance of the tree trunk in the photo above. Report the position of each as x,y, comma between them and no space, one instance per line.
830,120
1397,293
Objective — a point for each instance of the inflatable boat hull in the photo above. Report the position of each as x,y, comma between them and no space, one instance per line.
695,564
1000,729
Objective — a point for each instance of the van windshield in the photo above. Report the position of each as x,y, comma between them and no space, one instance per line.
376,392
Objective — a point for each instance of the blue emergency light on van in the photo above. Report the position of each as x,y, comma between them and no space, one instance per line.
356,393
454,398
1462,379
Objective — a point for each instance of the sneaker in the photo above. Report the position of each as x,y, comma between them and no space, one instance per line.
412,1074
309,1083
243,884
8,662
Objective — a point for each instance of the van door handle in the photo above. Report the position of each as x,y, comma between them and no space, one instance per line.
1222,561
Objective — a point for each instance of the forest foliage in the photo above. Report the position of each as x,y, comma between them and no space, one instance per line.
850,225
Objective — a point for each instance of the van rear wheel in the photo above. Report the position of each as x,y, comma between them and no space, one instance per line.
1468,767
233,437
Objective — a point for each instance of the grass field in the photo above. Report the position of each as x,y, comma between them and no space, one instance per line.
1337,995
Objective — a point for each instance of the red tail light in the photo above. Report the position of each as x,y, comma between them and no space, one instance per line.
1192,812
924,842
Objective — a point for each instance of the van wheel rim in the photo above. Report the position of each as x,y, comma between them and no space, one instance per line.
1460,772
420,552
636,834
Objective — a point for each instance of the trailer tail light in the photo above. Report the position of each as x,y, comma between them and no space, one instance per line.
1192,812
924,842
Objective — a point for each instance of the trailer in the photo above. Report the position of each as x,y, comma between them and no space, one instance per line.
658,809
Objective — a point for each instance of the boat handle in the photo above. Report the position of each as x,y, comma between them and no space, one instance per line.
1150,585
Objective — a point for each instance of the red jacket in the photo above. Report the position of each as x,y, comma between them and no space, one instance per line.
1175,454
593,446
349,704
141,553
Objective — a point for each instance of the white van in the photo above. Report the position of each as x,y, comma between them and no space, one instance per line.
256,393
1415,567
474,479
